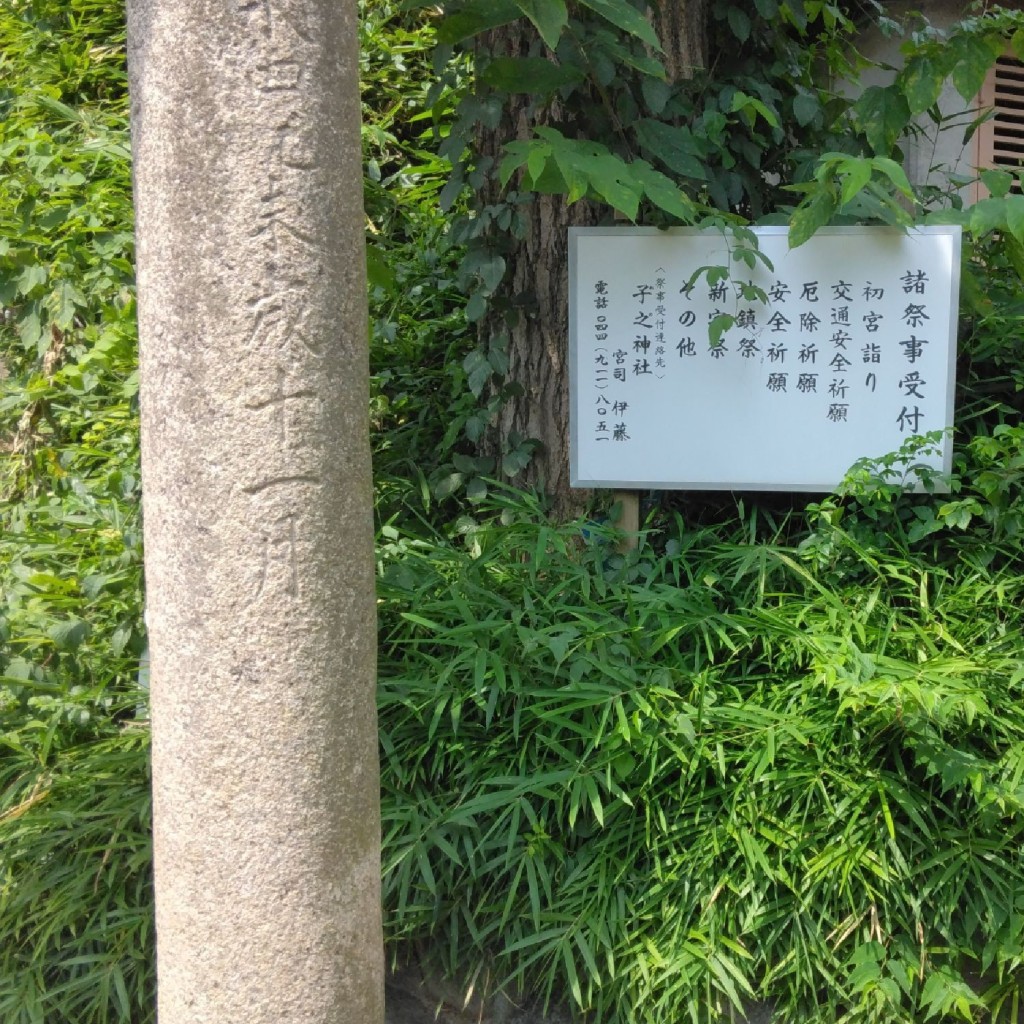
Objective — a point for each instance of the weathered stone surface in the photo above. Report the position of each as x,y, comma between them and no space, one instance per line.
257,500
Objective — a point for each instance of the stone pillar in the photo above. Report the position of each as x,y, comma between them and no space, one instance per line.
257,504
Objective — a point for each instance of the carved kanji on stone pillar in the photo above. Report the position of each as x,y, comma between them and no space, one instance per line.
257,501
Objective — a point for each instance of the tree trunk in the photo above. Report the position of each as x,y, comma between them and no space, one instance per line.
258,521
537,275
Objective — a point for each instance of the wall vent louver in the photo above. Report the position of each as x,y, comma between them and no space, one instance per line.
1001,140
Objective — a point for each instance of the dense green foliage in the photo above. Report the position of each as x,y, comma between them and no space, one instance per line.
75,887
727,766
574,100
775,753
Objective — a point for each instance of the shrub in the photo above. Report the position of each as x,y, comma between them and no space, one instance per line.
661,784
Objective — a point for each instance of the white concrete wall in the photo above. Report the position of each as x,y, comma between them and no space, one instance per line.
938,149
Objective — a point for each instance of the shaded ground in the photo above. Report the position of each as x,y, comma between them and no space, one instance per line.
410,998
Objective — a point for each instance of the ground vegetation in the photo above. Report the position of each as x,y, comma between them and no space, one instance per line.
774,753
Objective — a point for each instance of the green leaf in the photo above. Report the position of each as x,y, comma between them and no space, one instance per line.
626,17
656,93
577,183
883,114
378,273
725,982
878,201
793,11
675,147
61,110
895,174
974,56
475,427
627,55
1017,44
684,725
548,16
474,20
476,308
858,174
1014,252
805,108
490,271
30,330
751,106
662,191
987,215
65,300
444,488
607,175
739,22
31,278
478,372
922,83
514,461
807,218
611,179
537,160
69,635
516,154
997,182
571,974
530,75
718,326
1015,216
948,215
767,8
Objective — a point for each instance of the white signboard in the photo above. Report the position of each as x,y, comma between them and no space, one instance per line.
846,352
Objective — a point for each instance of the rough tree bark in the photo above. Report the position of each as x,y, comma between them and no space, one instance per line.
538,264
258,523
